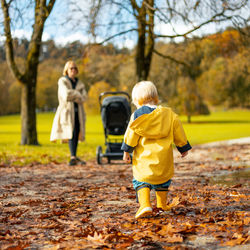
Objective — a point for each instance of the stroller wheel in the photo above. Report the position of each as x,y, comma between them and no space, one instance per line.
109,160
99,155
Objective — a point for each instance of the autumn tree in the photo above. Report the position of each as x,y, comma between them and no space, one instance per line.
225,69
5,84
153,20
92,104
103,63
227,81
27,76
49,72
177,83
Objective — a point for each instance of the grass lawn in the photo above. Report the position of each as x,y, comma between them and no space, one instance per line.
223,125
215,127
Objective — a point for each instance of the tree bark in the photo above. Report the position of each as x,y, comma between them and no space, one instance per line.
140,47
145,43
28,115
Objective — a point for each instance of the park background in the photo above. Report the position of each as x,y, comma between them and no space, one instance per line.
214,106
197,54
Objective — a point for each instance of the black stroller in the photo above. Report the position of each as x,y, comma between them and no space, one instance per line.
115,112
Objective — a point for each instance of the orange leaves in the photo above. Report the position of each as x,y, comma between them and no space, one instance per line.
92,104
237,239
55,206
153,230
176,238
175,202
97,239
107,237
167,229
170,235
227,42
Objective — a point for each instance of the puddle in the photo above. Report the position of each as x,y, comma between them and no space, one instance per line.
240,177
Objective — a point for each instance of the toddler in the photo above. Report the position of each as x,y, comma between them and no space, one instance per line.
150,134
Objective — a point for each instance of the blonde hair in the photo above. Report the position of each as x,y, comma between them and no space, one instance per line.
66,67
144,92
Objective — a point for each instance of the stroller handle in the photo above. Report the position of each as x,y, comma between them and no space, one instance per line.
112,93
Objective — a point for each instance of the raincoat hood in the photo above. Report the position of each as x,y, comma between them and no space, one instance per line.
156,124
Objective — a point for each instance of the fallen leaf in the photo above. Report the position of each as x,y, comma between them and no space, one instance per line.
175,202
97,239
233,242
176,238
166,229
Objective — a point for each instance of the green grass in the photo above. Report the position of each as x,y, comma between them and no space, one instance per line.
215,127
222,125
11,150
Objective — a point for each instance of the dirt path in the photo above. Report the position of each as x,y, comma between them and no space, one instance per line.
93,206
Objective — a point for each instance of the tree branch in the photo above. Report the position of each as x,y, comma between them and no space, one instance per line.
118,34
50,5
195,28
134,5
171,58
42,12
123,6
9,43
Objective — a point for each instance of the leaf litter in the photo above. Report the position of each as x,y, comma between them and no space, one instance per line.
55,206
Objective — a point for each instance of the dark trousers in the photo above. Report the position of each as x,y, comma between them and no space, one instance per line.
74,141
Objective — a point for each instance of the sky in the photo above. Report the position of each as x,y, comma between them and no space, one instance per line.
62,31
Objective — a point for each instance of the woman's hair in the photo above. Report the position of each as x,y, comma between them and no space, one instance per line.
67,66
144,92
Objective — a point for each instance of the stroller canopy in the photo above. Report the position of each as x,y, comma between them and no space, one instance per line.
115,112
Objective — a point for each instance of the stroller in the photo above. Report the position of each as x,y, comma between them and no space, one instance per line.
115,113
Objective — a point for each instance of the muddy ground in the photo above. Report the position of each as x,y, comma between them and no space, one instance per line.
93,206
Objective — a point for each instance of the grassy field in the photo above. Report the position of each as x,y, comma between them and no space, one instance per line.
218,126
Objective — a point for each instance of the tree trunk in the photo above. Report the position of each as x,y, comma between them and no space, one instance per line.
139,59
140,48
28,115
150,41
145,44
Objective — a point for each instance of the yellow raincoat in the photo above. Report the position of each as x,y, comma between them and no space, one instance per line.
152,136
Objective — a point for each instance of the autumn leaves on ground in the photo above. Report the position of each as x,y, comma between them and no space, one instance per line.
85,207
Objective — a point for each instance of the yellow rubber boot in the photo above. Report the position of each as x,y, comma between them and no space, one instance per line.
144,201
161,199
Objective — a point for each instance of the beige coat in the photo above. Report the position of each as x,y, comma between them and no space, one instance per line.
63,123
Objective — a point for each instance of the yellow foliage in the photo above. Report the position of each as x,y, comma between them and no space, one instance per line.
49,73
92,104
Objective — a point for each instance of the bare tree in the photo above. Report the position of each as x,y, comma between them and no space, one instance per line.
152,20
28,76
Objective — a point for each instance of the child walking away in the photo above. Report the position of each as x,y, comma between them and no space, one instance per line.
150,134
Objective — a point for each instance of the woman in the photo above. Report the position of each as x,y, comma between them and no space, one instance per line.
69,121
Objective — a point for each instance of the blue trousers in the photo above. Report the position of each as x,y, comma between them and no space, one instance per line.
159,187
74,141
